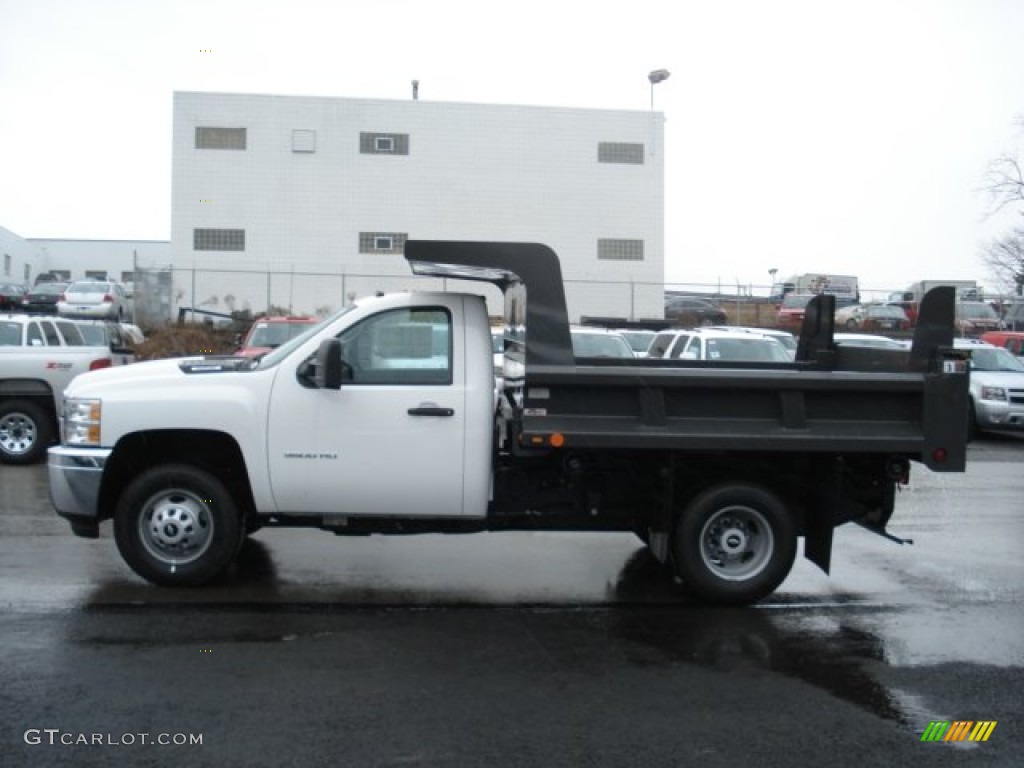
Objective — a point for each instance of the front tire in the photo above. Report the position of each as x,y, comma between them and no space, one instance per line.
177,525
26,429
734,544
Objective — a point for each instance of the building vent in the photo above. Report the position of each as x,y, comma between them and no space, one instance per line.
303,140
619,152
208,137
384,143
218,239
620,250
382,242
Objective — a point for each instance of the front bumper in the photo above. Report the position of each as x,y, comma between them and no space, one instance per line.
996,414
75,475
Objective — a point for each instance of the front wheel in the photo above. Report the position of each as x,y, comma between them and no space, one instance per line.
177,525
734,544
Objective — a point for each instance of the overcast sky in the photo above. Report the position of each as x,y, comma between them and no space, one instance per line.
845,136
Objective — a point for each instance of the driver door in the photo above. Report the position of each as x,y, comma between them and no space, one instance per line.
390,442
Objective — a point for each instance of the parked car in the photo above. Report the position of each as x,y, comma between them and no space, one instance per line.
691,312
974,318
867,340
873,317
104,333
22,330
11,295
1012,341
268,333
785,338
791,313
102,299
717,345
42,298
599,342
996,388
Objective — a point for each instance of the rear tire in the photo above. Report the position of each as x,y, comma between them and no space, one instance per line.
734,544
26,430
177,525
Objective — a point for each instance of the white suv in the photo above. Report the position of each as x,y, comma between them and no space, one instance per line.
718,345
997,387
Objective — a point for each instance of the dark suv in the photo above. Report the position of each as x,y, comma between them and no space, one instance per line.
691,312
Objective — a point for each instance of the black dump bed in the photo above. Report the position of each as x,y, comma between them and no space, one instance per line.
838,400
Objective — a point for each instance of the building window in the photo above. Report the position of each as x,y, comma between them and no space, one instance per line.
7,265
619,152
218,239
384,143
382,242
620,250
209,137
27,272
303,140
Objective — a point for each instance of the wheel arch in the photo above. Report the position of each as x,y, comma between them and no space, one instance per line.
215,452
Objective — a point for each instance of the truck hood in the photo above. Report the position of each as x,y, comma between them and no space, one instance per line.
155,373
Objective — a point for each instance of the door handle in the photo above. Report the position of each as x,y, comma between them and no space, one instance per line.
431,410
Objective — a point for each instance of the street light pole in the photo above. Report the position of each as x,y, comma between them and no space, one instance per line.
657,76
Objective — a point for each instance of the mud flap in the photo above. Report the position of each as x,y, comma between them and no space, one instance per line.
823,513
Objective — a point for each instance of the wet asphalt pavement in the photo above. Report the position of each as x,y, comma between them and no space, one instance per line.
519,648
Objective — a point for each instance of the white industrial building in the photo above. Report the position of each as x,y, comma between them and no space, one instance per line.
24,259
304,203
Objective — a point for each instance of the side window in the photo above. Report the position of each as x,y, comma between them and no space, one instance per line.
402,346
34,338
72,336
692,351
50,332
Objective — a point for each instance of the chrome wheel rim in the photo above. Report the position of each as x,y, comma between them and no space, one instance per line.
18,433
736,543
176,527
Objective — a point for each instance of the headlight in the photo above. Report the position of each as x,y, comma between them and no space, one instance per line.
82,421
993,393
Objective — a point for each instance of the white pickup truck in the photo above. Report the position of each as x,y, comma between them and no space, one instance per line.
386,418
39,356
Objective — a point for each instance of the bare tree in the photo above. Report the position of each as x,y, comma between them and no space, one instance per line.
1004,255
1005,183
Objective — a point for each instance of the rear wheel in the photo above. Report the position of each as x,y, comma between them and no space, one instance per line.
177,525
734,544
26,429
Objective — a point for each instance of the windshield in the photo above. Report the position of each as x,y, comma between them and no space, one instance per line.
89,288
978,312
995,360
273,358
757,350
600,345
276,334
639,341
50,289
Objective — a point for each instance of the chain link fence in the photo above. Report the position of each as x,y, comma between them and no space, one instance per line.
165,294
